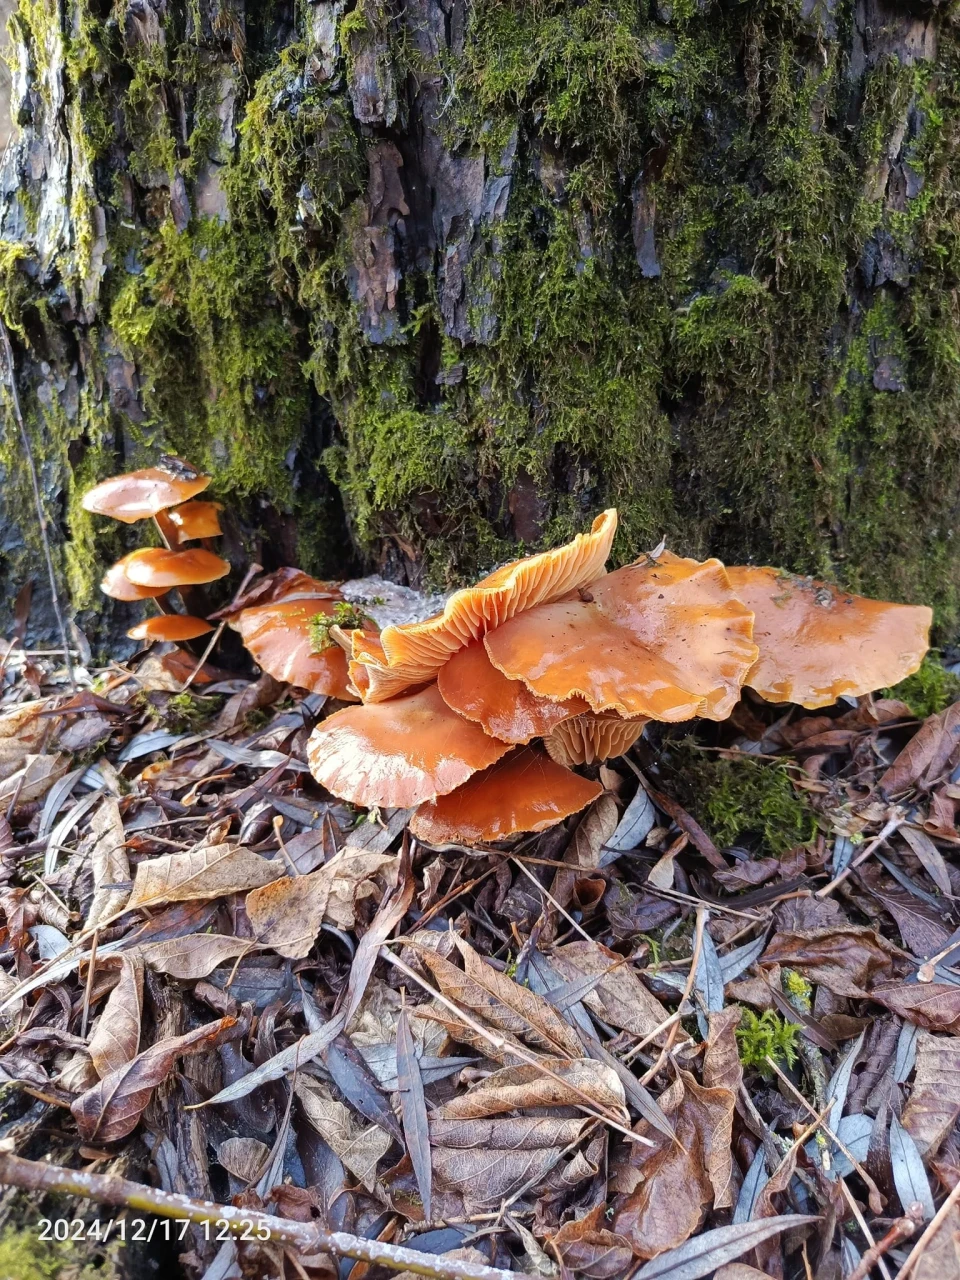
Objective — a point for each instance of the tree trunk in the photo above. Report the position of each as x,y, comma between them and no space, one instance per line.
423,281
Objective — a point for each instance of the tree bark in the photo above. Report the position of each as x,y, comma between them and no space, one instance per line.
421,282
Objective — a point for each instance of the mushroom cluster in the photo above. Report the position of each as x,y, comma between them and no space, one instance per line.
164,494
478,717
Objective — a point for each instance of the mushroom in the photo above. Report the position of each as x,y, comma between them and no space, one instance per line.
196,520
816,642
163,569
399,753
170,626
664,638
414,652
138,495
118,586
525,791
279,638
473,687
590,738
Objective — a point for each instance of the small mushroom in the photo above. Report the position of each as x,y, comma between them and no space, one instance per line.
196,520
118,586
163,569
664,638
590,738
170,626
817,642
279,638
414,652
138,495
399,753
473,687
525,791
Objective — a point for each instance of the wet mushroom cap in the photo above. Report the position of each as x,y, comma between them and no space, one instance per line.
157,567
118,586
399,753
666,639
817,643
170,626
473,687
279,638
196,520
590,738
138,495
415,651
525,791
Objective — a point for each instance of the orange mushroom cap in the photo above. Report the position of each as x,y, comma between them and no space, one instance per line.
817,643
157,567
138,495
196,520
399,753
590,738
667,639
473,687
170,626
118,586
415,651
526,791
279,639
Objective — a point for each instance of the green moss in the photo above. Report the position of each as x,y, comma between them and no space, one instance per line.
344,615
743,799
766,1035
930,690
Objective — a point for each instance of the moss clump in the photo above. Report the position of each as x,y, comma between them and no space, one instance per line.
766,1035
25,1257
743,799
930,689
345,615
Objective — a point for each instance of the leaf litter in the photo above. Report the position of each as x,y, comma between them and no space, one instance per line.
619,1049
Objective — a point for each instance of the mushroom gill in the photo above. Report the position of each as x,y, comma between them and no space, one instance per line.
590,738
817,643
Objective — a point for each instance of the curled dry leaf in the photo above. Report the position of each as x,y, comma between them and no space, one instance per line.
934,1103
208,871
927,755
847,960
360,1146
109,862
112,1108
587,1248
116,1036
525,1087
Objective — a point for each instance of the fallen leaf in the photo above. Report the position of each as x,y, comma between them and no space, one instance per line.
112,1108
524,1087
847,960
208,871
413,1110
116,1037
360,1146
194,956
940,1259
34,779
245,1158
934,1005
909,1175
108,860
929,856
587,1248
712,1249
927,754
934,1102
620,997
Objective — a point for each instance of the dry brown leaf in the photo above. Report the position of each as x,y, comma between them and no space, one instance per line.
360,1146
927,754
593,831
664,1189
112,1108
940,1259
620,997
208,871
934,1005
116,1037
587,1248
193,956
496,999
245,1158
847,960
487,1176
521,1088
34,779
934,1103
739,1271
108,861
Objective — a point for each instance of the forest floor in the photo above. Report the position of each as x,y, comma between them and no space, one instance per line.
710,1026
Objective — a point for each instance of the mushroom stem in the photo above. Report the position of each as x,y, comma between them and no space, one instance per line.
167,530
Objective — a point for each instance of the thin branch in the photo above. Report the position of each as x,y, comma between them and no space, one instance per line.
933,1226
37,498
305,1237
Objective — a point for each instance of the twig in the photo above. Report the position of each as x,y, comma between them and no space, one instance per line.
251,572
38,500
933,1226
305,1237
901,1230
889,827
